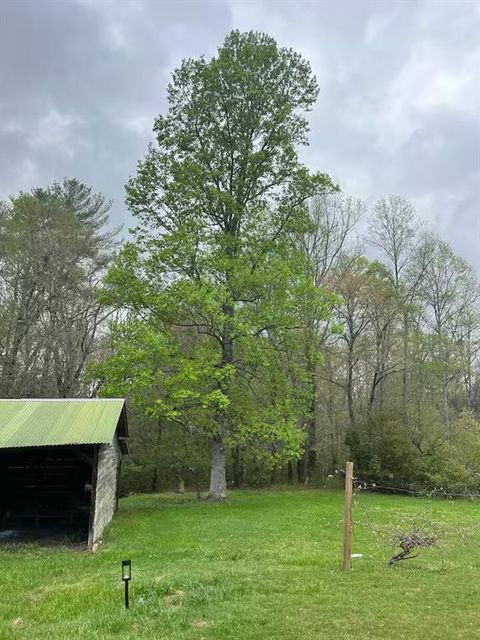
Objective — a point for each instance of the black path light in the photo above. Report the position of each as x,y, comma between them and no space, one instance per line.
126,577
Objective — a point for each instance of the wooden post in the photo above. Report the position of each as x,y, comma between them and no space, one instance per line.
347,518
93,495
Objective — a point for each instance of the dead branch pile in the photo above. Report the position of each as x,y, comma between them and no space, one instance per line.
411,541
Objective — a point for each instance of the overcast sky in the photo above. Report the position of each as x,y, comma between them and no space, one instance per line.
399,108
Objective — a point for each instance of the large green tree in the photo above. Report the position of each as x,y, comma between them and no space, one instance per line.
219,199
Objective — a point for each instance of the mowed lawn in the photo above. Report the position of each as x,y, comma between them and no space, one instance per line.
264,566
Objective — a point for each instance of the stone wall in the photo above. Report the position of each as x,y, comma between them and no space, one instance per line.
106,488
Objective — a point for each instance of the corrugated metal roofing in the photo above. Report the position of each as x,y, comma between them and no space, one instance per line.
37,423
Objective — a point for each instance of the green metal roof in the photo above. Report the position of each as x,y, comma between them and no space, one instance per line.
38,423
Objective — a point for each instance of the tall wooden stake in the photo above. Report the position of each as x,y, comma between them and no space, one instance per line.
347,518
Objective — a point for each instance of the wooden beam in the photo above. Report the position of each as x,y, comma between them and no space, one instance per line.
347,518
91,519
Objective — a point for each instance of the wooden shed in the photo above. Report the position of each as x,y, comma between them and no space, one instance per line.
59,463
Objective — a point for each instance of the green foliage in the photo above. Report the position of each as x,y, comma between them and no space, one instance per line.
221,199
458,469
170,381
148,366
419,455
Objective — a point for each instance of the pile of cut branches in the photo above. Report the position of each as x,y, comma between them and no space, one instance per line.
414,540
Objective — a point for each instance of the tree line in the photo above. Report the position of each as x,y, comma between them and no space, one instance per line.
262,325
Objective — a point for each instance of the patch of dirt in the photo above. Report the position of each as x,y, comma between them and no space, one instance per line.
199,624
175,599
18,623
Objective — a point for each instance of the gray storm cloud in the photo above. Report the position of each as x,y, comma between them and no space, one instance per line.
81,81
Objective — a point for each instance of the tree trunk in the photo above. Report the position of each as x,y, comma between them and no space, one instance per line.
153,486
237,467
404,368
351,411
300,470
446,410
311,452
371,398
218,482
156,470
311,461
468,377
290,472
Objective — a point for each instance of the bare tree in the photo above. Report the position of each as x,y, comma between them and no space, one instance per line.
53,253
333,217
450,293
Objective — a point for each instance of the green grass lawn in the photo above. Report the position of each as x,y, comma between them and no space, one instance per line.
264,566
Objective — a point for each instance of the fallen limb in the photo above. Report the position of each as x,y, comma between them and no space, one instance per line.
409,542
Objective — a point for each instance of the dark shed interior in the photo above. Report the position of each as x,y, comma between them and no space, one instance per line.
59,460
45,487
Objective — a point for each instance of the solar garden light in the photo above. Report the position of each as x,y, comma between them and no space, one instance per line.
126,577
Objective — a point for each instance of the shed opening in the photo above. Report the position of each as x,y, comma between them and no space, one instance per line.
46,492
